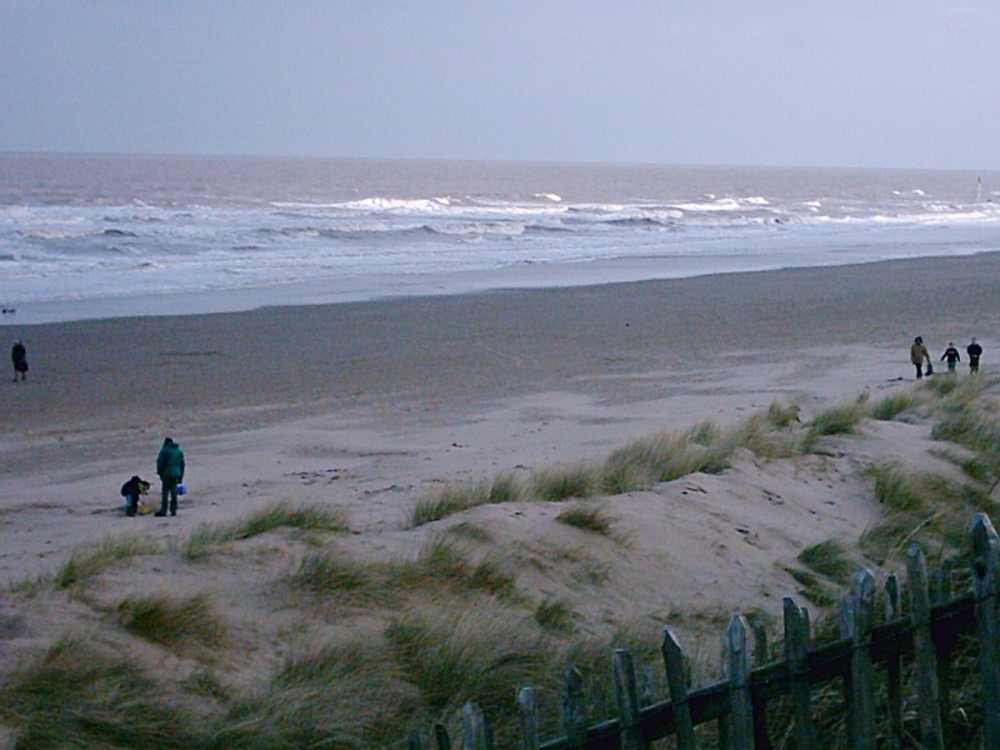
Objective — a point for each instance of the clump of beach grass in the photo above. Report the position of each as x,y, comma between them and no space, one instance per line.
461,651
776,433
344,692
331,574
85,562
642,463
456,497
588,517
555,615
557,484
282,514
173,621
443,562
828,558
840,420
928,508
892,406
93,692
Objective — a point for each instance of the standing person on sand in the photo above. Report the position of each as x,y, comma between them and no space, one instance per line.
975,351
19,356
919,355
951,354
170,468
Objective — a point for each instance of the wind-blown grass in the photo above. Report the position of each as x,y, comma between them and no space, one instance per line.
315,518
828,559
91,560
840,420
173,621
85,693
588,517
456,497
556,484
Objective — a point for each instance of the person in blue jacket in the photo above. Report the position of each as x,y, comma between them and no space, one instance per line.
170,468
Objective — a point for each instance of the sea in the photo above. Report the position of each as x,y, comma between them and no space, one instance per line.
92,236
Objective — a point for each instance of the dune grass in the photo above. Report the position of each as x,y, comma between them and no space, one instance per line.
88,561
456,497
840,420
588,517
173,621
84,692
828,558
282,514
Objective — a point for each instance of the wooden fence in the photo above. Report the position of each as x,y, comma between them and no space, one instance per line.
926,636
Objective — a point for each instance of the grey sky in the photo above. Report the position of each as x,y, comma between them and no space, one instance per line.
878,83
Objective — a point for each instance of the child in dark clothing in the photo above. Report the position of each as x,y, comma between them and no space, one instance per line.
131,490
951,354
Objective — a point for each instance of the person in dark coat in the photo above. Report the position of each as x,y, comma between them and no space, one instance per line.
131,490
951,354
19,356
975,351
170,468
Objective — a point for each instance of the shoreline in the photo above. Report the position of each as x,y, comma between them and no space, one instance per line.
518,277
489,343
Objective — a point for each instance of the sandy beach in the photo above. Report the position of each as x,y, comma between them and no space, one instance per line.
367,406
398,393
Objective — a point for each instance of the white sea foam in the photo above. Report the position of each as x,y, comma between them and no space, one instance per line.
87,245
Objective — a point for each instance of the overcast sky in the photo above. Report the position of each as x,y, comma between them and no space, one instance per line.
874,83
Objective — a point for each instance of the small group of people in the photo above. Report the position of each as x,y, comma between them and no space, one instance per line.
170,469
920,356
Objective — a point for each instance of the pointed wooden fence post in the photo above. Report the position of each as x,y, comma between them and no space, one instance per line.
441,738
762,738
627,699
924,653
857,619
797,639
475,733
528,717
574,710
893,668
673,662
986,578
738,672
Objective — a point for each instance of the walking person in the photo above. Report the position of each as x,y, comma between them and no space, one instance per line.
170,468
919,355
975,351
951,354
19,356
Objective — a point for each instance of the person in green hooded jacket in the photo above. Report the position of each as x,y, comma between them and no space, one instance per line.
170,468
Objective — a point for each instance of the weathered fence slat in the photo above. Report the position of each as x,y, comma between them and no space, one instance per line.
796,651
627,699
441,738
859,616
986,576
673,662
738,672
924,659
893,667
574,710
475,733
528,718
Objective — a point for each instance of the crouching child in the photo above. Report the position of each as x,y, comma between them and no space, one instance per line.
131,491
